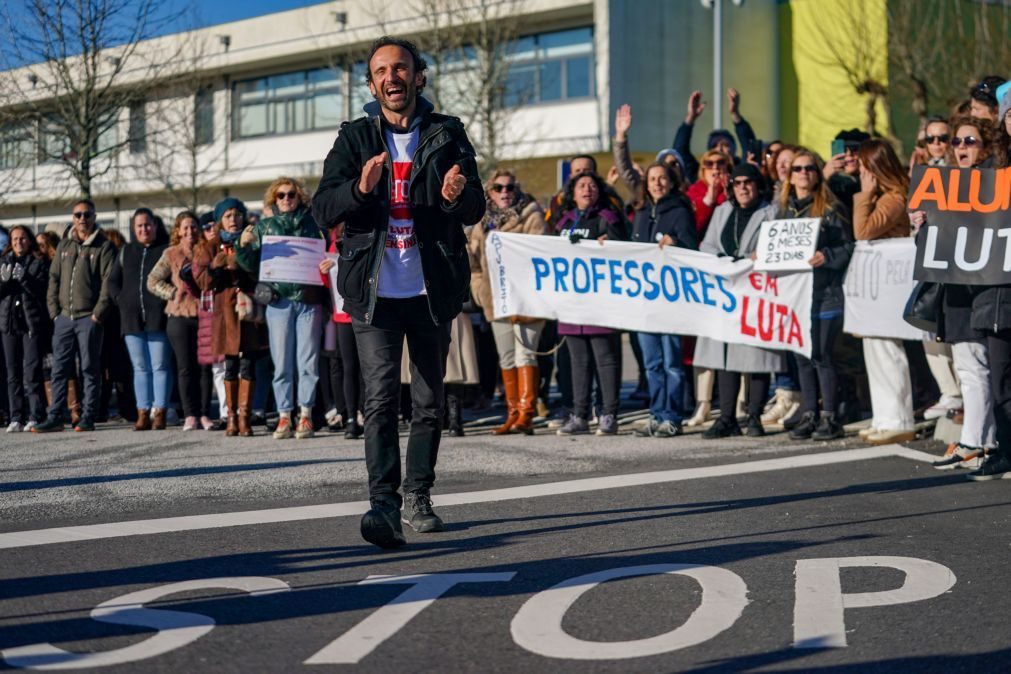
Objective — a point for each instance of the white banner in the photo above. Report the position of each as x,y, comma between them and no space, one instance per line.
636,286
787,245
878,284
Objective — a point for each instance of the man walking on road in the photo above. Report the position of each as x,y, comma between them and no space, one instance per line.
404,182
78,299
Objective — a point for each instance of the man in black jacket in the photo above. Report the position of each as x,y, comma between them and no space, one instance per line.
404,182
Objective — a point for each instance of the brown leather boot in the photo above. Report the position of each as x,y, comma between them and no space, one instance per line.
48,386
143,422
73,402
158,419
232,403
510,381
527,402
246,387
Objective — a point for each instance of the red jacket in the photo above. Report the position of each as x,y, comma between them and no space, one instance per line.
703,214
334,247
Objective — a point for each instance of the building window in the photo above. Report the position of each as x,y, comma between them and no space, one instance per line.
137,132
550,67
288,103
15,147
203,116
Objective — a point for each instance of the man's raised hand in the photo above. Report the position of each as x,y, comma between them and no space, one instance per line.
453,184
371,173
695,107
622,121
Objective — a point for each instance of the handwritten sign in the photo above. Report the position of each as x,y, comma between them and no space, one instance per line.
787,245
878,283
291,259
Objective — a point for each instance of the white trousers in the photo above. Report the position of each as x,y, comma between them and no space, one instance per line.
516,343
939,359
218,370
891,390
972,362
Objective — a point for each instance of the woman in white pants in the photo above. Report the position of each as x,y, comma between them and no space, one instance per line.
879,212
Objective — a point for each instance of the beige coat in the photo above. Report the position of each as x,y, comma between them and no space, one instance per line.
461,364
528,220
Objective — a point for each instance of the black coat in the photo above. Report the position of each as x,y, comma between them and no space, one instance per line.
140,310
438,225
673,216
991,309
835,242
23,303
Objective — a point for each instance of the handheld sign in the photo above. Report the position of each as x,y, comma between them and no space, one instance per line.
291,259
787,245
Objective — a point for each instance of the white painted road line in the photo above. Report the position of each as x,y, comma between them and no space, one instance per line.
91,532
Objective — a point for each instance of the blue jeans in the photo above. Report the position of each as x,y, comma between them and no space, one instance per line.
152,368
665,374
295,331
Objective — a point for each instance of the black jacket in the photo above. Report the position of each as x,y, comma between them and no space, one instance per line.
673,216
438,225
991,308
835,241
140,310
23,303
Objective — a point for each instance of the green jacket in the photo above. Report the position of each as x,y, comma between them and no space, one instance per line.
299,223
79,277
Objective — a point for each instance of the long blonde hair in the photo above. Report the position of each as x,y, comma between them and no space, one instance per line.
270,196
823,200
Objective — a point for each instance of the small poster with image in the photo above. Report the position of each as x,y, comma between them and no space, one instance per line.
787,245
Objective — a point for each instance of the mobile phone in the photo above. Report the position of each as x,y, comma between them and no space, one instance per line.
838,146
755,147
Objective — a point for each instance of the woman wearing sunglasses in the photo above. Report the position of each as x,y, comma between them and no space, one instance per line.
710,190
509,209
971,144
807,195
879,212
295,316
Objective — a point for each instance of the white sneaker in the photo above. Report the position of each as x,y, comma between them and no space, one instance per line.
15,427
941,407
30,425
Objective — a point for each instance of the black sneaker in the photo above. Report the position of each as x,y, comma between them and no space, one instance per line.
353,431
419,515
722,428
50,425
807,425
995,467
85,425
794,420
828,428
754,428
381,525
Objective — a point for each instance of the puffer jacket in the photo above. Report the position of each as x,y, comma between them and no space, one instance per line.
79,277
166,282
23,303
525,217
297,223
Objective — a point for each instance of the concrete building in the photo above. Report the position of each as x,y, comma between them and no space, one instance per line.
267,95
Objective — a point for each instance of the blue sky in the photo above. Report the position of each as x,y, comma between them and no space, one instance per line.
223,11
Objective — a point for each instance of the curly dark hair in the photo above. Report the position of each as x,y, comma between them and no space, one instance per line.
420,64
986,132
570,202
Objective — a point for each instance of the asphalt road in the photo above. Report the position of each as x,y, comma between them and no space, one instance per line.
174,551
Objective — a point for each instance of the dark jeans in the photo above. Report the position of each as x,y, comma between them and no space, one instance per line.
380,348
820,372
72,337
352,370
999,346
242,367
23,358
182,335
206,389
729,384
606,351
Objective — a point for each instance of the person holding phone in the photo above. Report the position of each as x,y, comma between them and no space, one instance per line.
842,171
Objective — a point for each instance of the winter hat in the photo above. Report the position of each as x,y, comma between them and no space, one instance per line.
1004,96
716,135
747,170
207,220
671,152
226,204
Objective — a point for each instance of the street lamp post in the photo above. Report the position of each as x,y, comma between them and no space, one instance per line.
717,7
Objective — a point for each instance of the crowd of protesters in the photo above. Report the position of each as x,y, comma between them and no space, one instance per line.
184,307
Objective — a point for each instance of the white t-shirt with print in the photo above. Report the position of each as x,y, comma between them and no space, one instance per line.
401,275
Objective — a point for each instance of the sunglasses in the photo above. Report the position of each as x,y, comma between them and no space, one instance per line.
287,195
80,215
810,168
968,141
714,164
499,187
744,183
943,138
